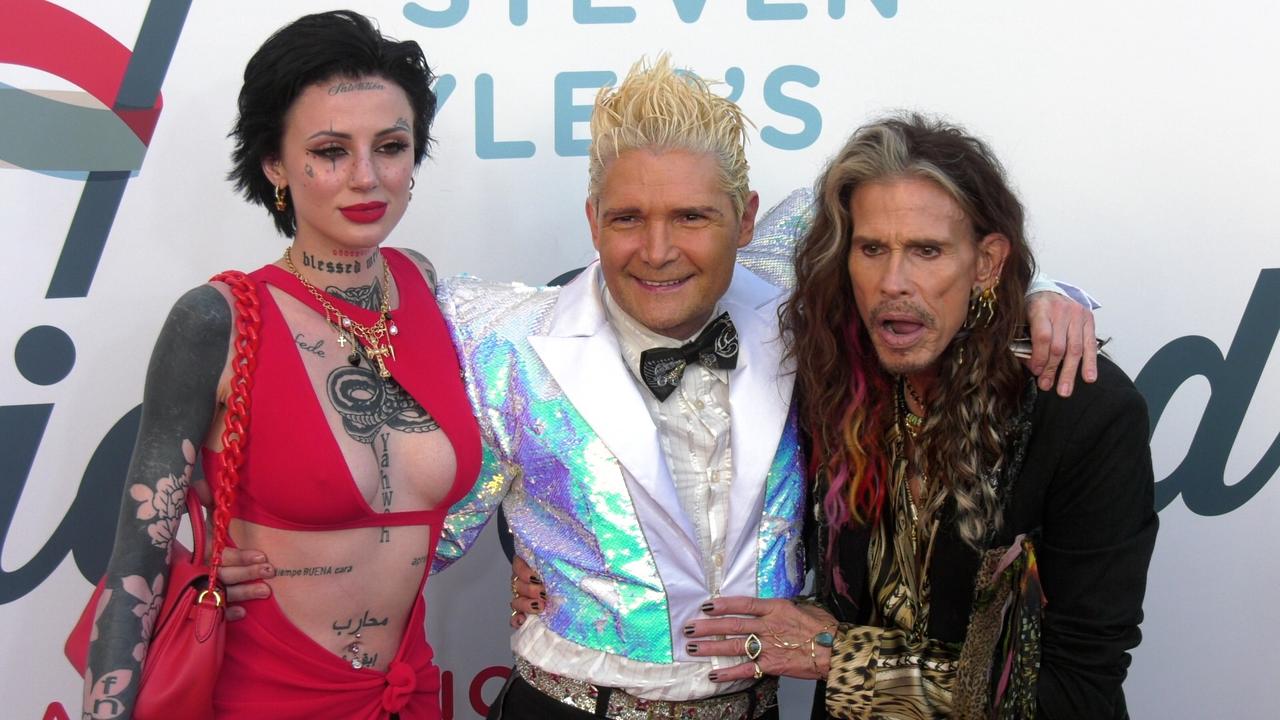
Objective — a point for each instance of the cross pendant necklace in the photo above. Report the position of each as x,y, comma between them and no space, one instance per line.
376,354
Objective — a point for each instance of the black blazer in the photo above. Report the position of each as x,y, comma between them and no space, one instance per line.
1086,495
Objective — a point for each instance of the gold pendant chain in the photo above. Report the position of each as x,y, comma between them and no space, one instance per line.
376,337
915,572
912,424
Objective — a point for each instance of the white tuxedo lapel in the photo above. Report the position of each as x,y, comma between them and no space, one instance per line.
759,399
582,354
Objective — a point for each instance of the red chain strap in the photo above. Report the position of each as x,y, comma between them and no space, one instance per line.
236,430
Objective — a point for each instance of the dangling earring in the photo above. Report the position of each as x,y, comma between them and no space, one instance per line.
412,181
982,307
281,203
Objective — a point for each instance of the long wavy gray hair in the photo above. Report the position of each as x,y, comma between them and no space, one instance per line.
962,443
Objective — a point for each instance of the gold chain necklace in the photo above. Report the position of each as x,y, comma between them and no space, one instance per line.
912,424
376,337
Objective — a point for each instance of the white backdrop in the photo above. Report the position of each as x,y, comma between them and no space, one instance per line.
1139,134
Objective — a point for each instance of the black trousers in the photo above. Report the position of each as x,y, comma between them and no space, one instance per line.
521,701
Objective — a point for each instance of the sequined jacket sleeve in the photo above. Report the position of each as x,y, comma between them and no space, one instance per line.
771,252
475,311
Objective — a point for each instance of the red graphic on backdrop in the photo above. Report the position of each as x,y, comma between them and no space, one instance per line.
60,48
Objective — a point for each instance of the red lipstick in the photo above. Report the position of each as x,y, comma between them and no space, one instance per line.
364,212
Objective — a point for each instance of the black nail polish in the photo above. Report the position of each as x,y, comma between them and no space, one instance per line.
688,630
537,606
535,580
713,677
543,594
708,607
691,648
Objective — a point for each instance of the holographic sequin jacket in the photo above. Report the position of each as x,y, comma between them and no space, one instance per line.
571,452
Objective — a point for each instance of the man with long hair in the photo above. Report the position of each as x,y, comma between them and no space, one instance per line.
983,544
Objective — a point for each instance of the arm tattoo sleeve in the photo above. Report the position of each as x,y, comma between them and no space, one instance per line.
177,409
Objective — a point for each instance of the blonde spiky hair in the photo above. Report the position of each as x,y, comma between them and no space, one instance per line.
662,108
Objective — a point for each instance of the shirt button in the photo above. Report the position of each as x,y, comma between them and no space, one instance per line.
699,404
718,559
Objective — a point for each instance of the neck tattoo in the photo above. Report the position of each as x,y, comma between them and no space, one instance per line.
376,338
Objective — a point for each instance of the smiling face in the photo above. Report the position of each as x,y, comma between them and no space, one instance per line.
347,159
913,261
667,236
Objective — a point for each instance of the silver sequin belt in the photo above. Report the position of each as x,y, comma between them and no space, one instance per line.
624,706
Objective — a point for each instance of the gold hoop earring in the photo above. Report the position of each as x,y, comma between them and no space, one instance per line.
281,203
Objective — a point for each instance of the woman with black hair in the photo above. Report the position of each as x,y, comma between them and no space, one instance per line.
360,434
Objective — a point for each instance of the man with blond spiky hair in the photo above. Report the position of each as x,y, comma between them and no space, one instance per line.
607,407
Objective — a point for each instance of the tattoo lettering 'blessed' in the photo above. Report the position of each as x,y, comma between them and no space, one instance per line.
337,268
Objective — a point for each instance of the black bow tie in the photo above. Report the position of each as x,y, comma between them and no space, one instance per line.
716,347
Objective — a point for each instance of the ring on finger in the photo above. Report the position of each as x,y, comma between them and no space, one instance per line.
515,592
758,673
752,647
514,613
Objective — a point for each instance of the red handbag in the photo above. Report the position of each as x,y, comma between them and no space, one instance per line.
185,650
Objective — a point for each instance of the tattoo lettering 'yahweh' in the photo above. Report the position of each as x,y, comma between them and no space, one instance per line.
314,571
358,86
367,405
337,268
384,480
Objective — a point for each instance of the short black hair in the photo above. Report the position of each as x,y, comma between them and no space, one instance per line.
310,50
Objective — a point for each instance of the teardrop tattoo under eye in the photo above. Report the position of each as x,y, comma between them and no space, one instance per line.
330,153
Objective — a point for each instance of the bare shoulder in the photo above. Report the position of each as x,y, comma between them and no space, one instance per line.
424,265
203,311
